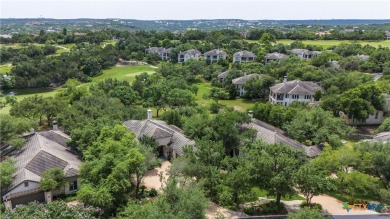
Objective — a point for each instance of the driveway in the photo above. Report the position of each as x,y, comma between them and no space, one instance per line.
152,178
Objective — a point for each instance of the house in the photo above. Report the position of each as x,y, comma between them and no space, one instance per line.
221,77
373,119
163,53
241,81
274,56
170,138
388,35
363,57
214,55
189,54
272,135
304,53
288,91
42,151
243,56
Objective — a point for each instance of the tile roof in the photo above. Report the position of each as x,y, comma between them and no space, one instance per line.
244,53
215,52
272,135
159,129
40,153
245,78
192,52
296,87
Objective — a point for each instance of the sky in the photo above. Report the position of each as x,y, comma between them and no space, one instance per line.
200,9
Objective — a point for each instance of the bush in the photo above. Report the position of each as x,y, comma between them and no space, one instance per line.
153,192
312,205
214,107
273,208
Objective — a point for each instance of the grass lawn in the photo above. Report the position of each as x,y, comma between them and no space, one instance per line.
327,43
126,73
6,68
263,193
238,104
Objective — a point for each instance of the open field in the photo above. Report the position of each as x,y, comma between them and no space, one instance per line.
327,43
127,73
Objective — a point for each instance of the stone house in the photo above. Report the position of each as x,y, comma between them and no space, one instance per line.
214,55
163,53
243,56
189,54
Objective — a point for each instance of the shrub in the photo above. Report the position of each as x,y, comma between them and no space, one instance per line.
312,205
214,107
153,192
272,207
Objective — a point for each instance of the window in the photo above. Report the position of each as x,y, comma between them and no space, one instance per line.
285,103
286,95
376,115
25,184
307,97
295,96
73,186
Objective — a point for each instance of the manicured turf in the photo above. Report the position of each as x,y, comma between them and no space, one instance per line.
327,43
126,72
6,68
238,104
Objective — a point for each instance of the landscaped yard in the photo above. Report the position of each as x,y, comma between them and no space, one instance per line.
238,104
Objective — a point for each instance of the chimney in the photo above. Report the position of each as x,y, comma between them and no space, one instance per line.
250,113
284,79
149,114
32,131
55,126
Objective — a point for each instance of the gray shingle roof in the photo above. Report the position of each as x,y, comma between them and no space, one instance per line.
158,50
296,87
192,52
40,153
159,129
272,135
245,78
304,52
223,74
363,57
275,55
245,53
215,52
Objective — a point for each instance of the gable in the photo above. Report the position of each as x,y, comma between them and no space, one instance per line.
44,161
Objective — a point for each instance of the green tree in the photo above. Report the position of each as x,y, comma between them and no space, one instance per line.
7,168
53,178
273,167
180,98
11,128
266,40
307,212
311,181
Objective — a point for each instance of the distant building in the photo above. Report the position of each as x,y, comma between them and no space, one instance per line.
214,55
221,77
362,57
288,91
274,57
304,53
42,151
241,81
243,56
189,54
388,35
165,54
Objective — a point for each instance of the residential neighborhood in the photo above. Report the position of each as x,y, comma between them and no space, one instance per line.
183,110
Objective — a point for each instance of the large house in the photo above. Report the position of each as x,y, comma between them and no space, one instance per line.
272,135
274,57
189,54
388,35
165,54
42,151
243,56
373,119
170,138
241,81
288,91
304,53
214,55
221,76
